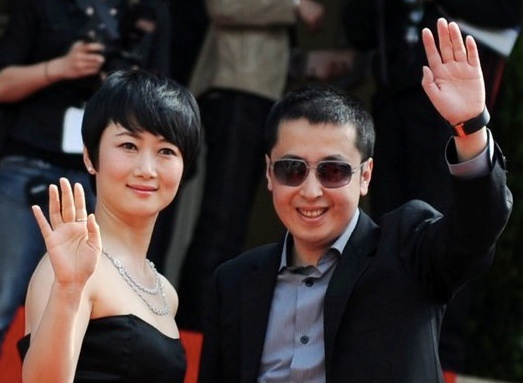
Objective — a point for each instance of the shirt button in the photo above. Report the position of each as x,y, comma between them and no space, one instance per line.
304,339
309,282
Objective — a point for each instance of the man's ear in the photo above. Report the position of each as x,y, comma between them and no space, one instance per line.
366,175
268,172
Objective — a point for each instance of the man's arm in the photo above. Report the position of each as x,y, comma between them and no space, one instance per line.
454,83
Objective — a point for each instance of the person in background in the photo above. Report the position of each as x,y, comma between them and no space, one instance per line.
408,160
53,56
189,23
242,69
4,15
95,297
341,298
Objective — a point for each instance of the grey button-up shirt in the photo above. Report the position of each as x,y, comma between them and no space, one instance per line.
294,348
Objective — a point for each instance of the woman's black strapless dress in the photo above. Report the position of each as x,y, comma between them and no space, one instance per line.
126,349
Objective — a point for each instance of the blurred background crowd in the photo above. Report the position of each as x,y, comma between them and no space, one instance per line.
238,58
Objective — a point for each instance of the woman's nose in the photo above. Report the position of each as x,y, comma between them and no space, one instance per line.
146,166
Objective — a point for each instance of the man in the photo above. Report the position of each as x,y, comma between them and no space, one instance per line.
342,299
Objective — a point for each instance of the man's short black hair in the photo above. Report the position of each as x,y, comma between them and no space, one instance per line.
323,104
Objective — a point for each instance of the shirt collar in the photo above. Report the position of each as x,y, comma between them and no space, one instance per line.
337,246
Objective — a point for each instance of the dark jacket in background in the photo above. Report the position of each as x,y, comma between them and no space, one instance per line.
381,25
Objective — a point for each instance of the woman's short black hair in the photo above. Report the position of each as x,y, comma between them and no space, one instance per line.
139,101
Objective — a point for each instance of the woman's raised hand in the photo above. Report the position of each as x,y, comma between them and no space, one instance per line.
72,237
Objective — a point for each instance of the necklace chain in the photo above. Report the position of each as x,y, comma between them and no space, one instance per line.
138,288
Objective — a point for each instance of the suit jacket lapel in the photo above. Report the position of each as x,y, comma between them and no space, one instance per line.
356,257
256,297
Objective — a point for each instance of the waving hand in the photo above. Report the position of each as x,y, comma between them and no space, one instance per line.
453,80
72,238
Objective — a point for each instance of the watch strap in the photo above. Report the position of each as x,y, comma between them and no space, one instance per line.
473,125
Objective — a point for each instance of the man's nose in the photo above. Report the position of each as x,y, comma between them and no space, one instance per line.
311,187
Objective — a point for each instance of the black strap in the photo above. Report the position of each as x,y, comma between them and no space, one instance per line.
473,125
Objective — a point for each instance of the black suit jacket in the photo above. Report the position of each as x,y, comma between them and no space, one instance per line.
385,301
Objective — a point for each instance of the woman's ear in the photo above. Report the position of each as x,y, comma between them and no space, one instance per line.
88,163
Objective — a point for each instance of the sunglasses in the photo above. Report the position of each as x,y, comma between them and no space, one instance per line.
331,174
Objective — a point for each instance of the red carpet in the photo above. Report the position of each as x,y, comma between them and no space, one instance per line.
10,363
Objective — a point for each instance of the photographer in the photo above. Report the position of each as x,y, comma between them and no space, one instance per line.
53,56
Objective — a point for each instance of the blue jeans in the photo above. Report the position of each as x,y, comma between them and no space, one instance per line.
24,182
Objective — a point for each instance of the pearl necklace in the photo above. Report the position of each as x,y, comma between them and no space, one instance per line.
140,289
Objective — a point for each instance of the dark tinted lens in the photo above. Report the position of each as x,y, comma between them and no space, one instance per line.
290,172
334,174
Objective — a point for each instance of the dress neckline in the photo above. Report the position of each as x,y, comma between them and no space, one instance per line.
133,317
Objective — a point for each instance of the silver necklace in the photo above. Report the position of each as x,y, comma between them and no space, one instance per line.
140,289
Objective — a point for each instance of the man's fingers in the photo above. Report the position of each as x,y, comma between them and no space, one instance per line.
433,57
460,53
472,52
445,44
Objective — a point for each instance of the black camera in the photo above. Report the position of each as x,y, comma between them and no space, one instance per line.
127,34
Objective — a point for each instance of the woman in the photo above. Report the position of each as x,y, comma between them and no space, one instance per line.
53,56
94,297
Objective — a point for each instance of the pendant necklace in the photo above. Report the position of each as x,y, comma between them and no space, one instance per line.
140,289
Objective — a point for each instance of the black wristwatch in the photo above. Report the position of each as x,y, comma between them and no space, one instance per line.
473,125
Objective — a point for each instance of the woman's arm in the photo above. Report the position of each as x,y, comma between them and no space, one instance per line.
59,304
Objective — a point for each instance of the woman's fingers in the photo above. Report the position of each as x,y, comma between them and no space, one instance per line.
44,226
55,210
93,233
79,203
73,203
68,208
